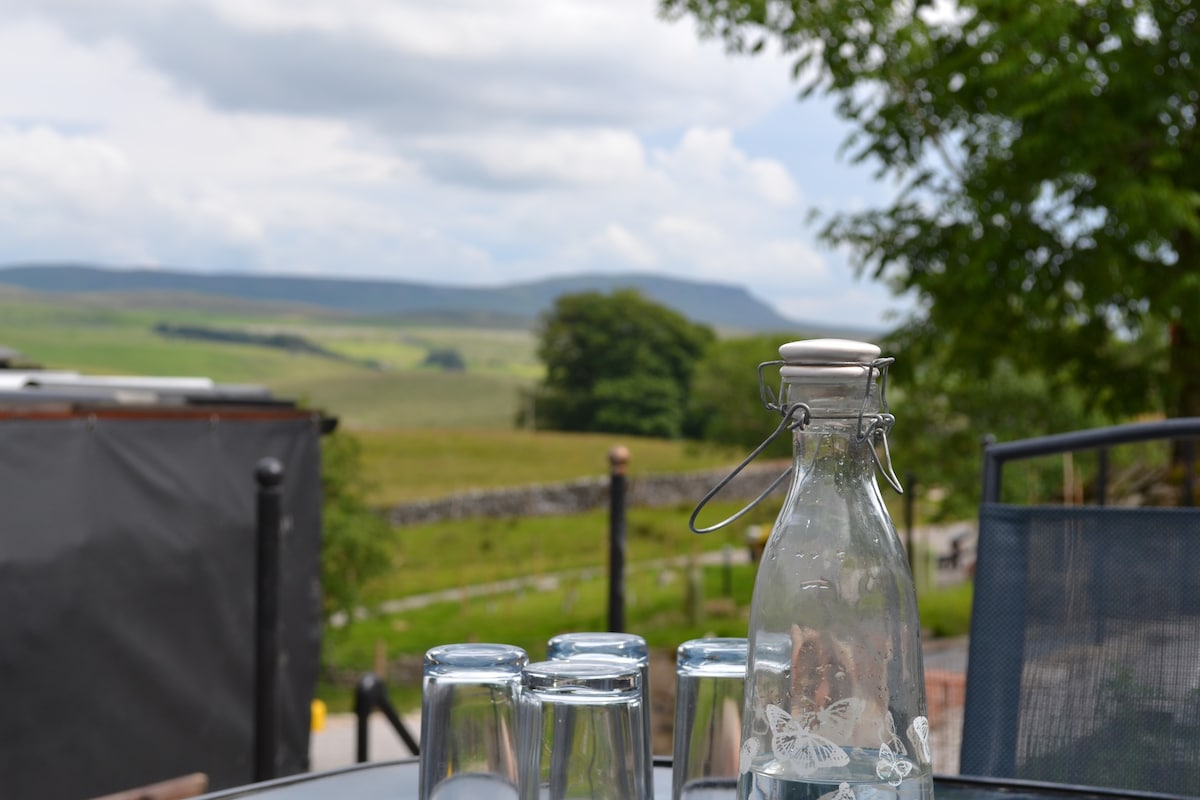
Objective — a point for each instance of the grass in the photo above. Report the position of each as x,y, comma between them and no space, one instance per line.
95,336
659,607
413,463
656,608
428,434
488,549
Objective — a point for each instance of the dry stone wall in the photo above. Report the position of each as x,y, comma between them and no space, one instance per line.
573,497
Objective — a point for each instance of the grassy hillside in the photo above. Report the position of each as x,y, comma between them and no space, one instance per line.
425,432
100,336
408,464
718,304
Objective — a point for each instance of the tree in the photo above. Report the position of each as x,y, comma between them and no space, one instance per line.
447,359
358,543
1048,211
617,363
726,402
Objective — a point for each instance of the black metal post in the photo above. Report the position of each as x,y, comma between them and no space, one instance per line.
618,459
369,694
364,703
269,475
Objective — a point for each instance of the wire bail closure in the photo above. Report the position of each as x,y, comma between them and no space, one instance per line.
798,416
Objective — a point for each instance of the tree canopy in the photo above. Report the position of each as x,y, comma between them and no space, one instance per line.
617,363
1048,207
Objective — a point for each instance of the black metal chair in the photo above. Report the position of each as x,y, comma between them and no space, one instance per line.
1084,661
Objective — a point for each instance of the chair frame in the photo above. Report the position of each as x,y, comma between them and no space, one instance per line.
981,753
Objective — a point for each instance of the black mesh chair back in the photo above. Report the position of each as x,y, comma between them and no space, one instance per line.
1084,663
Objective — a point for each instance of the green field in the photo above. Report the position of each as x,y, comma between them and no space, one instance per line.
424,434
98,335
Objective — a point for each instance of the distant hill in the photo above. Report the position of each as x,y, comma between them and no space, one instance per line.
722,306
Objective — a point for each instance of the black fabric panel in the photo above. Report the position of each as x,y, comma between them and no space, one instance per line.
127,576
1084,660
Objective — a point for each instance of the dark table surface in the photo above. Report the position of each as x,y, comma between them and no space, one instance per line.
397,780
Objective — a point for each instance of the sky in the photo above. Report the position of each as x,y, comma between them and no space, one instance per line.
456,142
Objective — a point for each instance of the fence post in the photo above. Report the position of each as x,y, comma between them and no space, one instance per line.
618,459
370,694
269,476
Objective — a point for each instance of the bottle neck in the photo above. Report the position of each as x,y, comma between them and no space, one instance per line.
840,409
835,439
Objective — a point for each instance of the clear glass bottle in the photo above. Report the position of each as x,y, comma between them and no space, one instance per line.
835,690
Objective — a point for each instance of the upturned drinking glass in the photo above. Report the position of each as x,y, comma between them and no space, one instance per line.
469,722
583,731
627,646
710,680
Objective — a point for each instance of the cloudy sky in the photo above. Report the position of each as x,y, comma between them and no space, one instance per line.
448,141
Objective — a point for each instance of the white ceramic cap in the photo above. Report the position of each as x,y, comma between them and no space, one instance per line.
807,359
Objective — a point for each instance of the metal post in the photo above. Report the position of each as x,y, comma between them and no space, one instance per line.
618,459
364,704
269,475
369,694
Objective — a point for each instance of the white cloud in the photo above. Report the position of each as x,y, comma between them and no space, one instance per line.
625,247
456,142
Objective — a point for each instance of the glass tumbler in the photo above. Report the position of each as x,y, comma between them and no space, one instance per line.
583,731
628,646
710,680
469,711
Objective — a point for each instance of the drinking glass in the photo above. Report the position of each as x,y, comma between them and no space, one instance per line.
469,735
583,731
621,646
710,680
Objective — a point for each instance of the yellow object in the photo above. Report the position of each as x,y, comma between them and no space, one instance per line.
318,715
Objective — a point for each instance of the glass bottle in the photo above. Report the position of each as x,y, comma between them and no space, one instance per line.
835,689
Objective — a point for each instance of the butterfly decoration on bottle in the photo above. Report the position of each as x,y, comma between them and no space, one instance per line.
843,792
802,744
892,765
918,731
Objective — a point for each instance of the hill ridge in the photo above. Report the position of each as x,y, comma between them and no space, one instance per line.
719,304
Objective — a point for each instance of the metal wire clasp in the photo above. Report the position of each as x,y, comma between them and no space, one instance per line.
797,416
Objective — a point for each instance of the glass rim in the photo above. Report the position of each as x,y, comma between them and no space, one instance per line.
622,645
582,675
473,656
727,655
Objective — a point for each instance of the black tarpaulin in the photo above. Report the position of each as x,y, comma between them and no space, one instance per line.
127,591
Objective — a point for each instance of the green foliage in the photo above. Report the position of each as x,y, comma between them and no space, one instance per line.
946,611
640,405
726,405
943,415
1048,203
618,363
358,544
445,358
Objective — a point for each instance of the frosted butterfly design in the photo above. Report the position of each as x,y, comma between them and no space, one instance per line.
749,750
891,738
890,767
797,744
918,731
844,792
